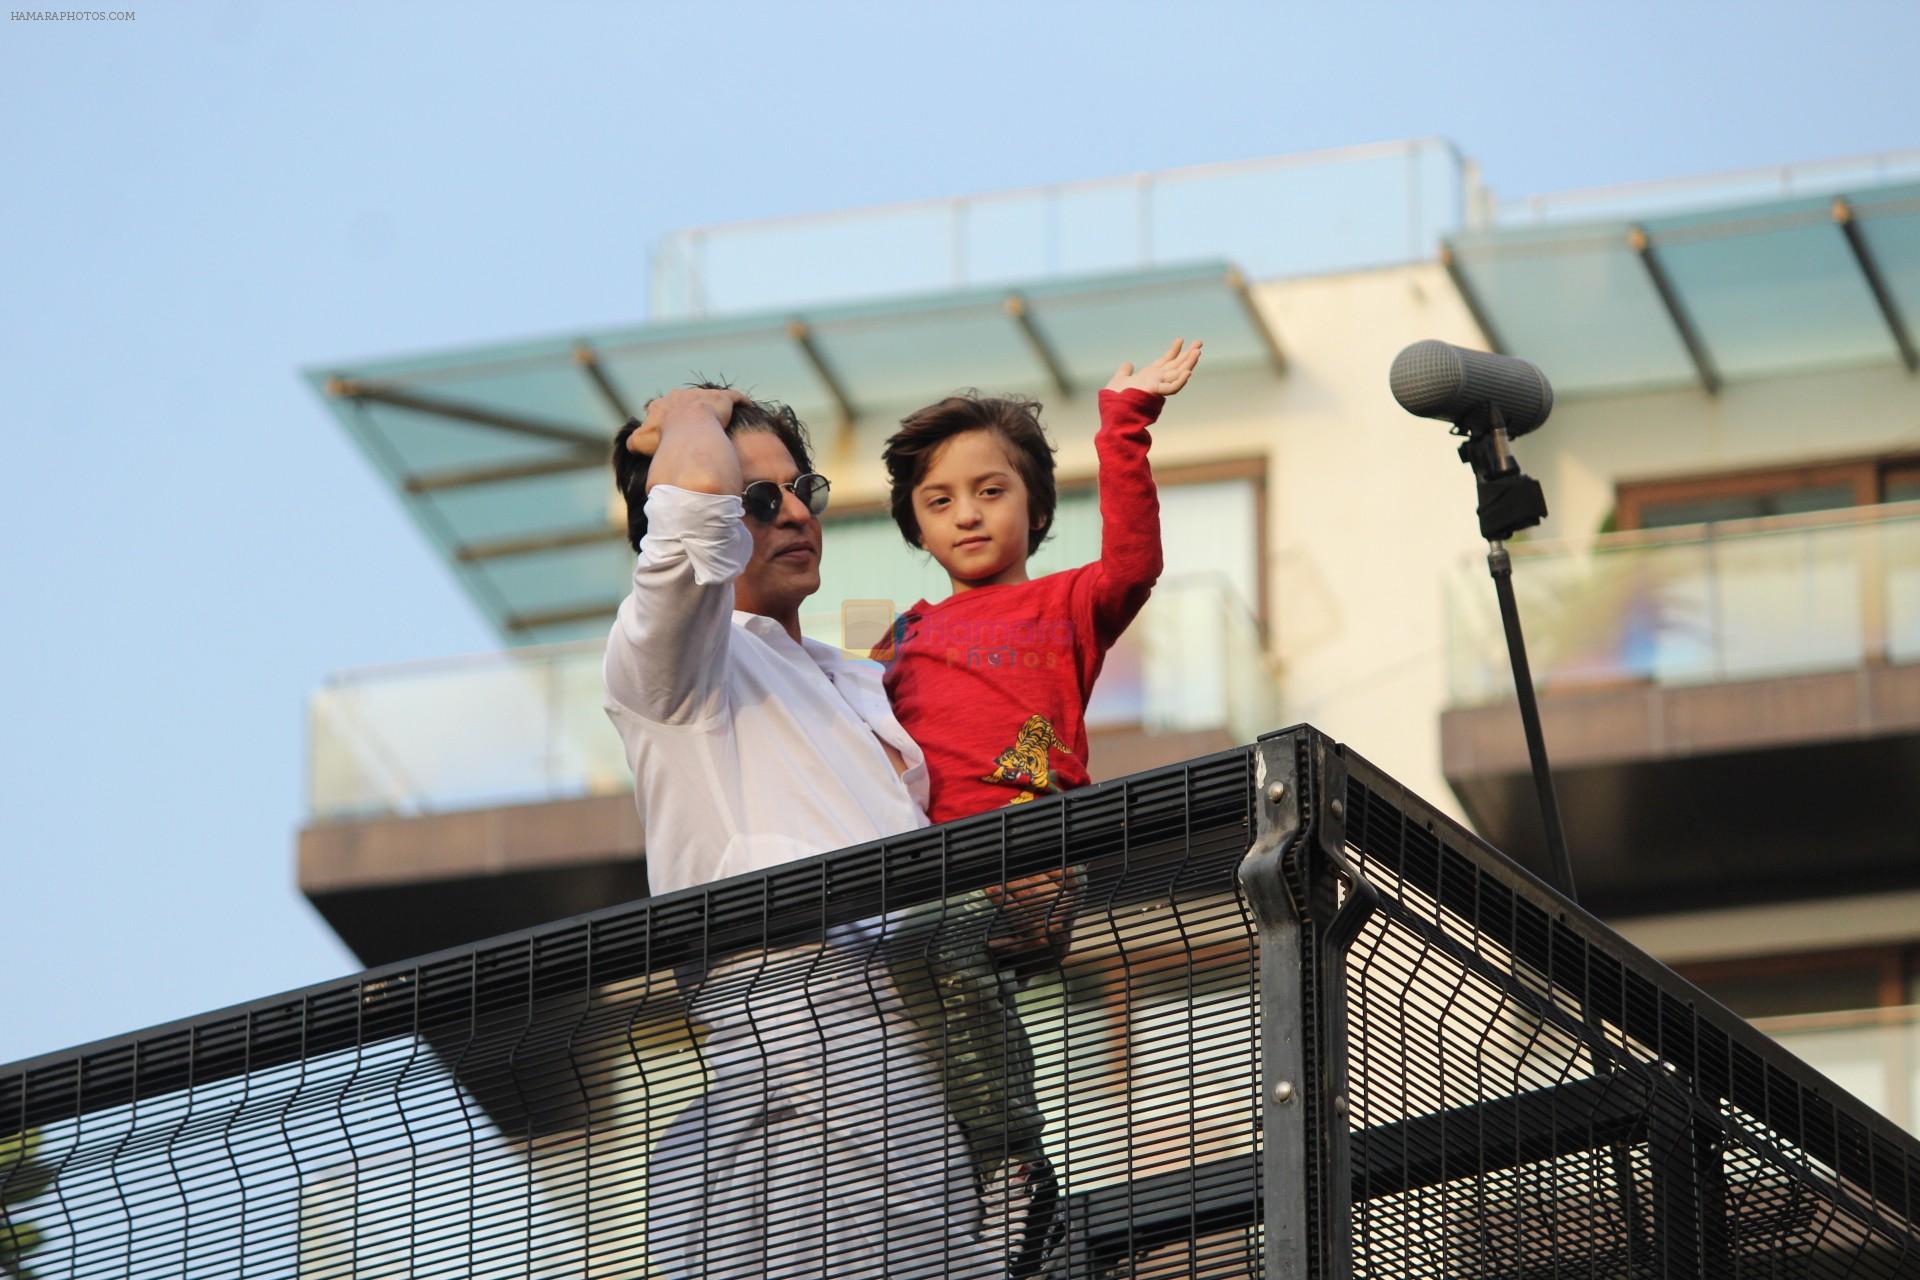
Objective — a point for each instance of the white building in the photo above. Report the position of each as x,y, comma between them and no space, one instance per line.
1724,606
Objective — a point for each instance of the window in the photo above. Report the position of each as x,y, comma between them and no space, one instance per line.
1796,985
1773,491
1212,521
1901,482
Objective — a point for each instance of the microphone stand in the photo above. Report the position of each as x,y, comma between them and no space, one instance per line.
1510,501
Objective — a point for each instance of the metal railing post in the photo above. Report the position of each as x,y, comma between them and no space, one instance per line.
1292,877
1344,916
1284,1164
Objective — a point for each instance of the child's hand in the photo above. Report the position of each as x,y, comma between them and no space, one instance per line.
1036,915
1164,376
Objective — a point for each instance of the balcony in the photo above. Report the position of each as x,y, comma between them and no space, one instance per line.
1462,1074
1732,710
455,799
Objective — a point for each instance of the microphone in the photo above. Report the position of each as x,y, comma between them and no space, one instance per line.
1490,399
1434,379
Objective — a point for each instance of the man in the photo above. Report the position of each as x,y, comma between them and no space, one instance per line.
823,1146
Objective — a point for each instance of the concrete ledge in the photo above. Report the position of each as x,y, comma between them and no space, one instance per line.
1624,723
398,887
346,855
1703,798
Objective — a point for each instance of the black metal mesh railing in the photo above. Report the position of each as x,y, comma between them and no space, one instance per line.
892,1061
843,1066
1527,1095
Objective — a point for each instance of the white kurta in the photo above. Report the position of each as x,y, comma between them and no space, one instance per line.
823,1146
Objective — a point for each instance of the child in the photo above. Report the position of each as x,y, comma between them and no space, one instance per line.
993,683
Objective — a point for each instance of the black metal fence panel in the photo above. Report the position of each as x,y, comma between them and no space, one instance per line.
1262,1014
868,1063
1526,1094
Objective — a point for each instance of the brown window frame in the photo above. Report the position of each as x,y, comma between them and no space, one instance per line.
1895,964
1866,476
1898,468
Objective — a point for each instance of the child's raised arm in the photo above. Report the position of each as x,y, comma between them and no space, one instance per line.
1130,556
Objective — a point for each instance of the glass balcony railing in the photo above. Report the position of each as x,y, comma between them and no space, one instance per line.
1874,1054
1741,600
1305,214
1194,659
1740,186
518,727
526,726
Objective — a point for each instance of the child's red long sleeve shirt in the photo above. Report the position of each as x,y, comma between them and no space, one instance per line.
993,682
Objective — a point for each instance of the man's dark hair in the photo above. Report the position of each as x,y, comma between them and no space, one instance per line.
1015,420
776,419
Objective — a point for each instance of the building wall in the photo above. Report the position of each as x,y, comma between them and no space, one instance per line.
1590,444
1368,508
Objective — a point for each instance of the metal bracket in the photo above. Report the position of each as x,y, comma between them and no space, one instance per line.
1342,927
1276,822
1683,326
1283,1083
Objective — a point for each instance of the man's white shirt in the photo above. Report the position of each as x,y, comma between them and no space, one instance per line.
747,749
750,750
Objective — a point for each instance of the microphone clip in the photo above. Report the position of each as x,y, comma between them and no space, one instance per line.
1509,504
1510,500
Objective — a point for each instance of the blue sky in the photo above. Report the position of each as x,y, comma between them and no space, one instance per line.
195,204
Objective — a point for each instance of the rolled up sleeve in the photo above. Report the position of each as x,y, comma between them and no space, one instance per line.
667,655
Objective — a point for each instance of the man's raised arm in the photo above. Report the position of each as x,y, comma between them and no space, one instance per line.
685,435
668,651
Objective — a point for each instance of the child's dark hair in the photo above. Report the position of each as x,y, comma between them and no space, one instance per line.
1015,420
630,468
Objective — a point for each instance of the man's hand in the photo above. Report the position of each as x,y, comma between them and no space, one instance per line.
1164,376
1035,915
677,406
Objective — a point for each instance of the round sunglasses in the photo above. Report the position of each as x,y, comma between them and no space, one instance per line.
762,497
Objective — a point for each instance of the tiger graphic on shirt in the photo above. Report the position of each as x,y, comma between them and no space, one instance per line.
1025,764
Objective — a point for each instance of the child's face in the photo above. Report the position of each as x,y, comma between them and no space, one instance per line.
972,509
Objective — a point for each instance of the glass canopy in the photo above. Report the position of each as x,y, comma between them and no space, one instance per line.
501,453
1705,297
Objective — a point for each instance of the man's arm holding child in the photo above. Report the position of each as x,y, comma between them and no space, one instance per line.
668,650
1130,555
